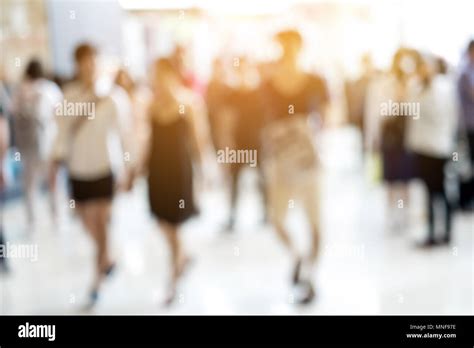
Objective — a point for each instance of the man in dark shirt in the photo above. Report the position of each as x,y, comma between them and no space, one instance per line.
293,99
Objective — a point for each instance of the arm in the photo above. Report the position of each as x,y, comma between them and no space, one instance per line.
325,102
199,132
58,147
372,119
143,152
120,110
466,95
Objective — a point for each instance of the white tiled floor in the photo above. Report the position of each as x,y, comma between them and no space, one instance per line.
364,268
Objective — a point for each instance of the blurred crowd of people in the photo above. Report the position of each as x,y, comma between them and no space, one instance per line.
173,129
418,118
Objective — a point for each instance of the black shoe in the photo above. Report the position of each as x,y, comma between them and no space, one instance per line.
427,244
444,241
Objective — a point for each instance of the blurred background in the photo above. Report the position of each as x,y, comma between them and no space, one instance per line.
365,265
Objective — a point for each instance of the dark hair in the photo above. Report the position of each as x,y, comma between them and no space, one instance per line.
83,50
470,46
34,69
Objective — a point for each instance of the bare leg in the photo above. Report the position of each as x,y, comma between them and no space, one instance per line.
263,191
87,216
234,173
171,234
284,237
278,204
28,186
282,234
102,221
312,208
315,242
83,211
391,213
392,195
52,194
94,215
405,196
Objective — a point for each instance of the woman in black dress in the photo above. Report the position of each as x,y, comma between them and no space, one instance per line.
173,143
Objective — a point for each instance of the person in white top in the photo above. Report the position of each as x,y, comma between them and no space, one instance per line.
432,137
32,108
86,120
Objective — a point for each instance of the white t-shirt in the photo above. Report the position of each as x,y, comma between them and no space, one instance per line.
433,134
85,126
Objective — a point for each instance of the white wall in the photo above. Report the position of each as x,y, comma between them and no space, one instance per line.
73,21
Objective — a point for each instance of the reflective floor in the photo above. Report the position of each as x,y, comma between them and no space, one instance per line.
365,267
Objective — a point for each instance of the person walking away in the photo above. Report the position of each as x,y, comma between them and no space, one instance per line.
432,138
466,125
33,107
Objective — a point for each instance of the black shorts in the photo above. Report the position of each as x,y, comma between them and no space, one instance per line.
88,190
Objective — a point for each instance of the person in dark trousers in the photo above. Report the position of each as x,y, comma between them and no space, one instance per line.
466,97
431,138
